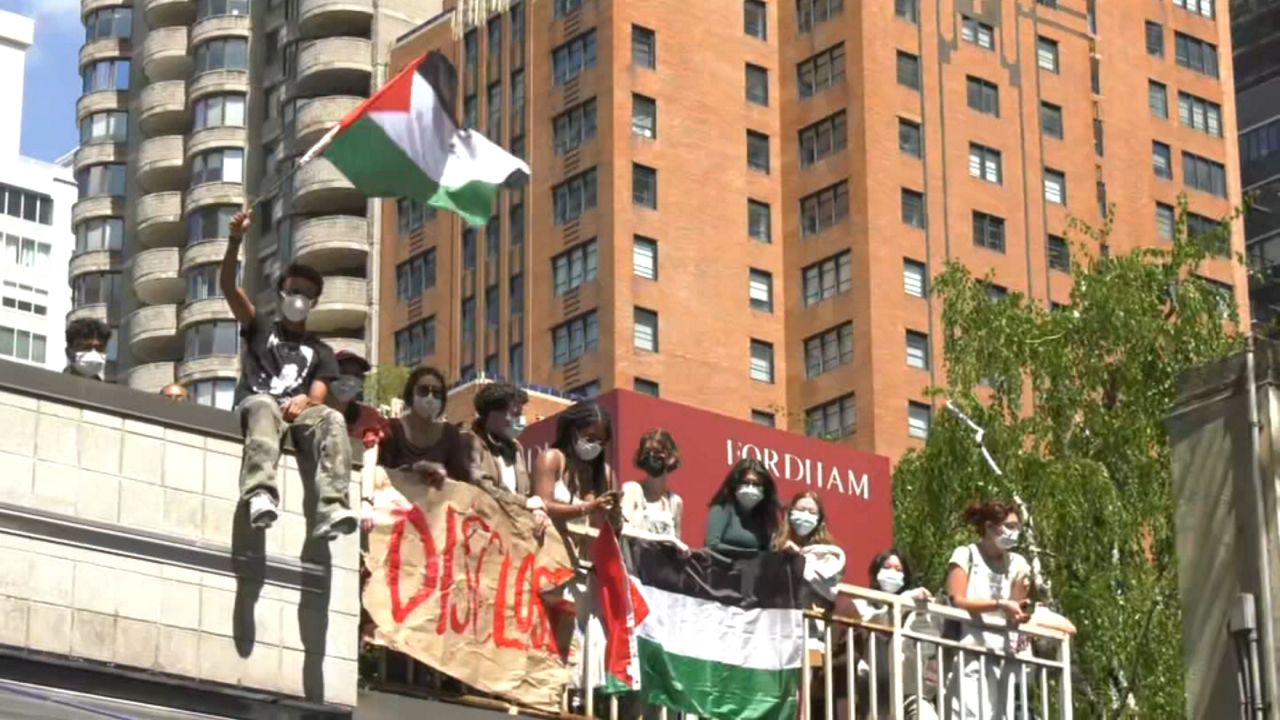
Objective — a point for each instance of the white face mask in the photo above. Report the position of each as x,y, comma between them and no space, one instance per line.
587,450
426,407
1007,538
295,308
90,363
890,580
346,388
803,522
749,496
517,426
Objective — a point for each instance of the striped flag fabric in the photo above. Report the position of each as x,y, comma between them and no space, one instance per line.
722,637
404,141
621,609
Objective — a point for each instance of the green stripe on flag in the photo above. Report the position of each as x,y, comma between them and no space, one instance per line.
716,690
473,201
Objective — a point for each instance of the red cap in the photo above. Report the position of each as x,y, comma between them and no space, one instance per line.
343,355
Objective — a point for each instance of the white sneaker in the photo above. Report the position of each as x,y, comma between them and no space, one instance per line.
342,522
262,510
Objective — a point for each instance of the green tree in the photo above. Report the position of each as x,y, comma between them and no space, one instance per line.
384,383
1074,400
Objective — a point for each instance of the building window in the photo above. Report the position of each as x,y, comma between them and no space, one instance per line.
105,75
223,54
1155,39
23,345
515,295
491,366
760,290
211,338
1162,160
1051,120
468,323
587,391
644,47
515,364
209,223
100,234
416,275
758,151
576,337
761,361
913,212
415,342
755,22
222,165
917,350
757,85
823,139
919,418
909,138
828,350
834,419
908,10
821,71
411,215
1055,186
983,96
1260,142
26,253
644,257
564,7
1047,54
984,163
569,60
575,266
646,330
492,309
1200,114
517,103
644,186
646,387
469,248
908,70
759,221
988,231
215,8
493,106
915,278
575,196
112,127
827,278
644,116
103,180
219,111
978,33
812,12
824,209
19,203
1166,222
95,288
1059,254
108,23
1203,7
1158,99
574,126
1204,174
760,417
1195,54
515,225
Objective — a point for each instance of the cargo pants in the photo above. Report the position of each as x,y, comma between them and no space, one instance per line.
319,436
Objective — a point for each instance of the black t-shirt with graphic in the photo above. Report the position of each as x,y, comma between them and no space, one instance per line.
281,363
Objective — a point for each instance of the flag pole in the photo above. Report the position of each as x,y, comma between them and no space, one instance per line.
320,146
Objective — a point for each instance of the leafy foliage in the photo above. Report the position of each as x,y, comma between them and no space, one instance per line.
1074,401
385,383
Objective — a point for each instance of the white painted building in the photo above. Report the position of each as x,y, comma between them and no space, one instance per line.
36,241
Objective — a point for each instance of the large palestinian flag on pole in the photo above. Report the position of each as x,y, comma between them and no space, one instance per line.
405,142
722,638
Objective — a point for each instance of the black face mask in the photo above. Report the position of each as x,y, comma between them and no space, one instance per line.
653,464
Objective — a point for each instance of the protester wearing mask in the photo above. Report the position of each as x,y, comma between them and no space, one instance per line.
988,578
649,508
889,572
365,425
421,439
495,457
744,512
571,476
87,340
284,376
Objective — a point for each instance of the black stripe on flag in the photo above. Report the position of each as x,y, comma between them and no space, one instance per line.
443,78
773,580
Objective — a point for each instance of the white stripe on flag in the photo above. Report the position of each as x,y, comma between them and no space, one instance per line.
425,132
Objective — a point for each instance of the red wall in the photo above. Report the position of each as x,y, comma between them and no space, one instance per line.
854,486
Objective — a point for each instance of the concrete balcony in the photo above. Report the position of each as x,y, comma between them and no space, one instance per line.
344,305
100,153
164,13
213,367
166,55
160,164
104,49
199,311
217,82
219,26
93,262
100,101
323,18
317,116
218,193
215,137
162,108
332,242
159,220
320,188
155,277
357,346
93,311
153,335
152,377
205,253
99,206
334,66
88,6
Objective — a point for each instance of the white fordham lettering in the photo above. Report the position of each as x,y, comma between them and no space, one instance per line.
813,473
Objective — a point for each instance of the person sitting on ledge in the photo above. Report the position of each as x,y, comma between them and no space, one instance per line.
87,340
284,371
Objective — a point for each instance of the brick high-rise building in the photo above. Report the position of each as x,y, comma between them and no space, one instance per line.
737,204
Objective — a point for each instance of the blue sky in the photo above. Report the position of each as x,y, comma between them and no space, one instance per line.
53,80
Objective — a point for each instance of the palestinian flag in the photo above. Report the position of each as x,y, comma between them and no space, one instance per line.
621,609
405,142
723,637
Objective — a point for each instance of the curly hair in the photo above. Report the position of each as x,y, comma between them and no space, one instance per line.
821,534
78,331
407,394
981,514
664,440
302,272
498,396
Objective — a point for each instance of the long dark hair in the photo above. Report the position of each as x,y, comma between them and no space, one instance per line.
908,577
768,507
574,419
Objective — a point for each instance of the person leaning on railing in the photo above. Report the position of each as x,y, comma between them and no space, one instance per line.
891,573
744,511
650,509
495,457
